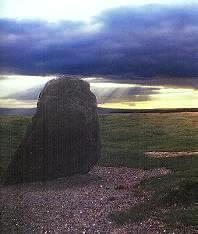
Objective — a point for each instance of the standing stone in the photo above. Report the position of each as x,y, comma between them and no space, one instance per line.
63,138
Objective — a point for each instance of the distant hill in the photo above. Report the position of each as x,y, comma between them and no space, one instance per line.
101,111
17,111
125,111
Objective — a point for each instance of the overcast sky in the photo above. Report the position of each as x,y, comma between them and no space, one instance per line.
150,44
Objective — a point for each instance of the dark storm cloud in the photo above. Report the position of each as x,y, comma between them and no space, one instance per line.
143,42
174,82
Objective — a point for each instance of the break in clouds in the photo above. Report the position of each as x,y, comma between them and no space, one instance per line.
105,90
139,52
124,43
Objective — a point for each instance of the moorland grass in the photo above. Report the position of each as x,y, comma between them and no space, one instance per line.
12,129
125,139
173,201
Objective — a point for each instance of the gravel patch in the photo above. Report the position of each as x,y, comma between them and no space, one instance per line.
78,204
167,154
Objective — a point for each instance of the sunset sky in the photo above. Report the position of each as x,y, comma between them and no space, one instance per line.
135,54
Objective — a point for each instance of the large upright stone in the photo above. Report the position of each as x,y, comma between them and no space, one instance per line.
63,138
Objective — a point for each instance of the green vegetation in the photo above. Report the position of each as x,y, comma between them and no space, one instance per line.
12,130
125,138
188,216
173,200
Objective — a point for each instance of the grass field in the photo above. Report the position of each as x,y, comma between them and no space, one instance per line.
125,139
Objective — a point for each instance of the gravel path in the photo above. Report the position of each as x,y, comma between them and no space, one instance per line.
169,154
79,204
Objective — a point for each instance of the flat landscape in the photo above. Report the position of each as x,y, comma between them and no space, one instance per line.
130,183
113,143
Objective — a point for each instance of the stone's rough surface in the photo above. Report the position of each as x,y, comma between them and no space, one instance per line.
63,138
